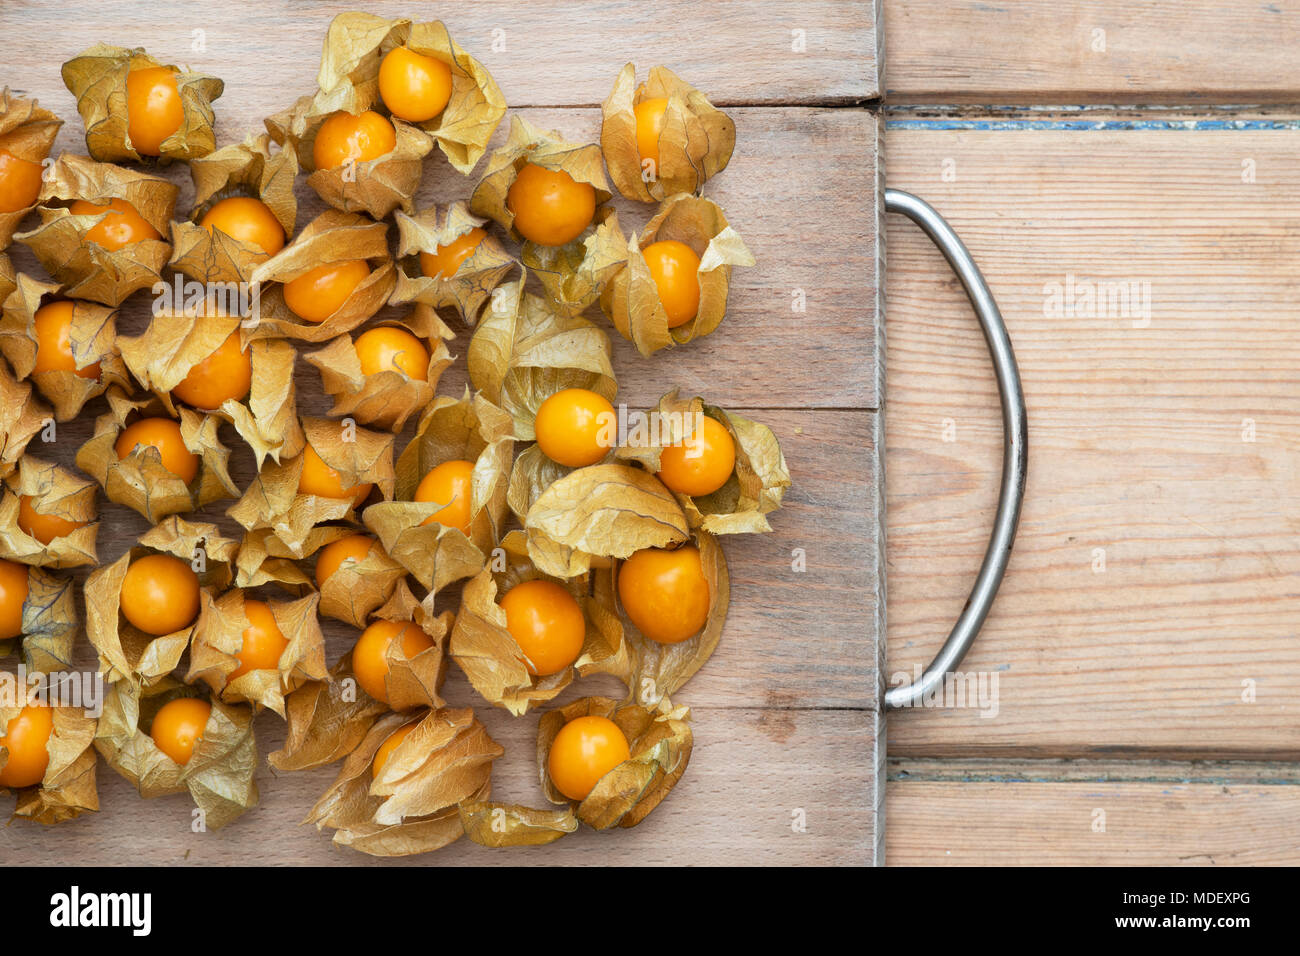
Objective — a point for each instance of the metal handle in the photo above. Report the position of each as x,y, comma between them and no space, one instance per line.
1015,429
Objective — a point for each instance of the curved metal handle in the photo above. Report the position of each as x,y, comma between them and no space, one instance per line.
1015,429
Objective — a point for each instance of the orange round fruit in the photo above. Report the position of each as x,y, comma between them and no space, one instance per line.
451,482
20,182
13,595
369,656
165,435
160,594
225,374
389,348
264,642
445,260
246,220
121,226
318,478
52,324
547,624
27,739
320,292
649,124
332,556
44,528
674,266
585,749
178,727
413,86
576,427
344,138
387,747
549,207
702,463
665,593
153,108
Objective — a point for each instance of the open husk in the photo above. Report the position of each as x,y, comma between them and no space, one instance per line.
413,682
97,78
218,638
92,335
126,652
483,647
326,719
87,270
240,169
266,418
574,275
695,143
22,416
631,299
272,500
68,788
27,132
471,284
332,237
450,429
49,623
139,480
219,774
55,491
660,741
412,805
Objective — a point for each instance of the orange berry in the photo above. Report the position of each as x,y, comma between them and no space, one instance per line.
585,749
355,547
387,747
445,260
153,108
674,266
27,739
547,624
702,463
451,482
52,324
388,348
264,642
160,594
576,427
665,593
369,655
121,226
227,373
414,87
13,595
178,727
318,478
20,182
649,124
344,138
320,292
165,435
43,527
549,206
246,220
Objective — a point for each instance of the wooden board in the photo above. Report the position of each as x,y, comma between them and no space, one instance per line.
788,730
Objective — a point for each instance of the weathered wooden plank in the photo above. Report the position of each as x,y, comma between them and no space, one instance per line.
1152,598
1091,51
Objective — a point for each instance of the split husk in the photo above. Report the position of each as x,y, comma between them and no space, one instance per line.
471,285
68,788
27,132
219,774
22,416
327,720
92,335
240,169
695,143
576,274
87,270
139,480
660,741
412,805
125,652
414,682
52,490
97,78
49,625
631,299
332,237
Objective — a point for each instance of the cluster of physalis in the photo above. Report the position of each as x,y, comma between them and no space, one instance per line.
566,537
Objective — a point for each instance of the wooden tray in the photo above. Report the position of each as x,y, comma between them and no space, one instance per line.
789,734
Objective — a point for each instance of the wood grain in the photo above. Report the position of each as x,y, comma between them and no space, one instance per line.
1136,454
1147,51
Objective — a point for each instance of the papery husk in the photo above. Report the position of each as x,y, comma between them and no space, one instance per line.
601,511
546,148
87,270
631,299
218,638
412,806
49,623
331,237
27,132
375,187
385,399
413,682
22,416
349,74
53,491
574,275
483,647
219,774
240,169
8,280
272,500
139,480
695,143
175,342
68,788
506,824
326,720
756,486
660,741
471,285
126,652
92,334
97,78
